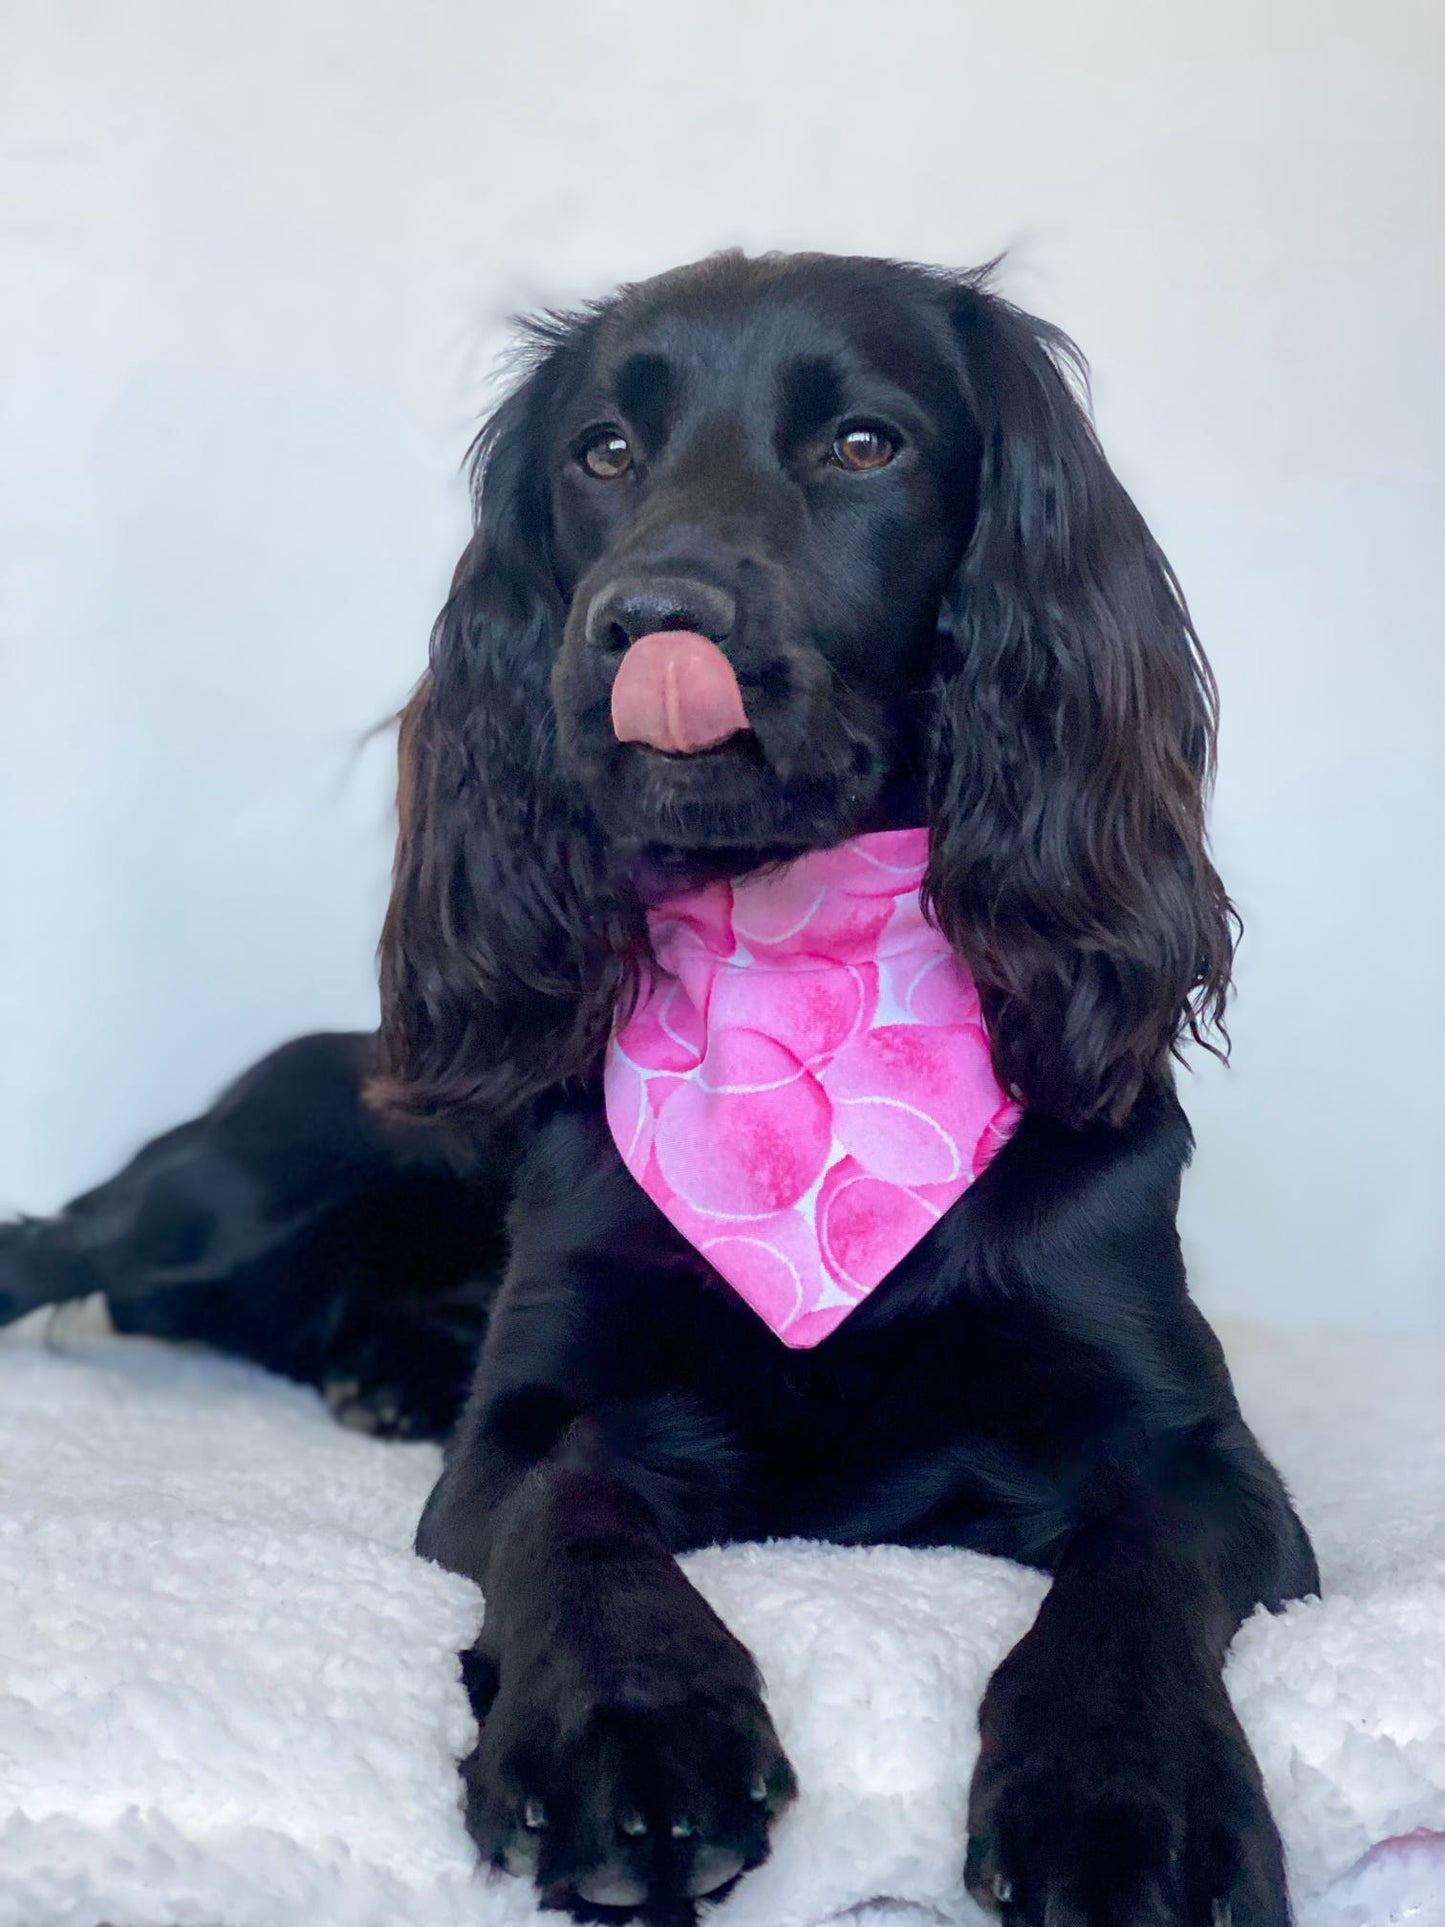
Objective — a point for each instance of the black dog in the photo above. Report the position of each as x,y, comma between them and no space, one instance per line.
873,489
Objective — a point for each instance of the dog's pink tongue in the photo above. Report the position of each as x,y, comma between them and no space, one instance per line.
676,691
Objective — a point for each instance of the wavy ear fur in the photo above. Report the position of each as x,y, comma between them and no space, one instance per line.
506,947
1072,751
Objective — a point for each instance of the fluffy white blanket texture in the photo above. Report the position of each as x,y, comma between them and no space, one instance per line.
229,1692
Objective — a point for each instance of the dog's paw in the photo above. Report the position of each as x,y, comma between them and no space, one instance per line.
382,1409
633,1797
399,1384
1153,1816
26,1282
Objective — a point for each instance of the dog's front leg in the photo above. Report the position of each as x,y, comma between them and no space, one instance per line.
625,1758
1115,1787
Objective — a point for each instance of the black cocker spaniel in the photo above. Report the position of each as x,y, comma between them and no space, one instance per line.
777,560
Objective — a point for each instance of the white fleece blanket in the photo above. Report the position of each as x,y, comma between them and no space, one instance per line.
229,1696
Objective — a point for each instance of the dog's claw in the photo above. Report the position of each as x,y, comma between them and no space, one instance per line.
534,1816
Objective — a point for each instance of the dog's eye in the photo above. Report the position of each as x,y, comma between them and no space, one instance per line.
607,456
862,447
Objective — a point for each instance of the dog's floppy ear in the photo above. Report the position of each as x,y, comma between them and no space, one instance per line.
504,950
1072,751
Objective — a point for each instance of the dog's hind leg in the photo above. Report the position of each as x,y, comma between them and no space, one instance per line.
289,1225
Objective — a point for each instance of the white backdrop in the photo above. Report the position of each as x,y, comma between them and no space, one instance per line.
256,255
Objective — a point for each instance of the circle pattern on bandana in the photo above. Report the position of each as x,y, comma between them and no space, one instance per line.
805,1086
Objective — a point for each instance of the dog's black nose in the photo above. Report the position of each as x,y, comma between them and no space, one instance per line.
627,609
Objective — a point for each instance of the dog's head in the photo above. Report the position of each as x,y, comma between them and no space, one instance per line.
770,552
761,485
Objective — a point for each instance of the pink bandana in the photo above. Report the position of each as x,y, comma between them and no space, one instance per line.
805,1085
